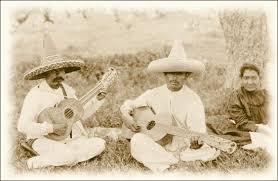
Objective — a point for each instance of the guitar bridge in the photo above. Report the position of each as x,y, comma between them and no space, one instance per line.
151,125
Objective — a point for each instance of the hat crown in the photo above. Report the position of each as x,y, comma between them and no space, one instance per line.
50,51
177,61
48,45
177,51
51,60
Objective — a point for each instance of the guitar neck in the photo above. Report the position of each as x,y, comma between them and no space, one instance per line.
90,94
212,140
106,81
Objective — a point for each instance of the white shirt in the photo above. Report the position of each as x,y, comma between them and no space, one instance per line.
185,106
43,96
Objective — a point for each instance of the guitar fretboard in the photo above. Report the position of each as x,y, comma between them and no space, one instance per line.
105,82
90,94
212,140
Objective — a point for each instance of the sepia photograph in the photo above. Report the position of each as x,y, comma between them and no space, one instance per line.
139,90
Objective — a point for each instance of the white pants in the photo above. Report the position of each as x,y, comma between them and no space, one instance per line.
54,153
260,139
156,158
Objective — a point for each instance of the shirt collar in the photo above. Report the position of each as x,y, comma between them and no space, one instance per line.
175,92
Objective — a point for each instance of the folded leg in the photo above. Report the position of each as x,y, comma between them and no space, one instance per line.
86,148
151,154
205,153
53,153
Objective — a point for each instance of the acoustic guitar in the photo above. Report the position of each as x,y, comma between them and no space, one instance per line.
157,126
71,110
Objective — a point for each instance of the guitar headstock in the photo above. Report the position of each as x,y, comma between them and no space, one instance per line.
109,77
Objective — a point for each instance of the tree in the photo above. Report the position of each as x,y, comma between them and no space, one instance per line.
246,39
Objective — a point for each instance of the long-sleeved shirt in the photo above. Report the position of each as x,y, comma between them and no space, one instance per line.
248,107
184,106
43,96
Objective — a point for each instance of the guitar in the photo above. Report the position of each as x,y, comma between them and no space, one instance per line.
71,110
157,126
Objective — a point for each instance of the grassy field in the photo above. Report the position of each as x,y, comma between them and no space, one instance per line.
133,80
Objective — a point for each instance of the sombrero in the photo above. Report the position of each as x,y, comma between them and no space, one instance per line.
51,60
177,61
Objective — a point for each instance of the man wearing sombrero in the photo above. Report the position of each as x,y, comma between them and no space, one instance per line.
50,91
177,101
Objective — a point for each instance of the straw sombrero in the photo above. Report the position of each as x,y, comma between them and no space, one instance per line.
177,61
51,61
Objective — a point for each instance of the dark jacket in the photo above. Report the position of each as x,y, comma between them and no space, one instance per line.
248,108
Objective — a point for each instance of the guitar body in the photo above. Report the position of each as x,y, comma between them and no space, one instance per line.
146,119
71,110
157,126
67,111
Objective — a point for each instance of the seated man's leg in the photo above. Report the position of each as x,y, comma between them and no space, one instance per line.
205,153
86,148
259,140
51,153
151,154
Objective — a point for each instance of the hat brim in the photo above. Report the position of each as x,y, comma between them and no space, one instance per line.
176,65
39,72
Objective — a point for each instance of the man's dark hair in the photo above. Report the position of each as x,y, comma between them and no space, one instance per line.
248,66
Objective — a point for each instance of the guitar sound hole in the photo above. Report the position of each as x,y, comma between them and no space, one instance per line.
151,125
68,113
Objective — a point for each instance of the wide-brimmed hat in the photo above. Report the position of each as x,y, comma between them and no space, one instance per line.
51,60
177,61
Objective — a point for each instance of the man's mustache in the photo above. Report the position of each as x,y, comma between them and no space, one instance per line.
251,84
57,79
173,82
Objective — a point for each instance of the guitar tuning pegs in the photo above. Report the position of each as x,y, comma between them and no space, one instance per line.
111,68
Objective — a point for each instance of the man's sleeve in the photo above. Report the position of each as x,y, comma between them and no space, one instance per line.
142,100
198,116
27,123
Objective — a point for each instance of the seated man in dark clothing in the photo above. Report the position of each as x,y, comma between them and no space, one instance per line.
247,111
248,105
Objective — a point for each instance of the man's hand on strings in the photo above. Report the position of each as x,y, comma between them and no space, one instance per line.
196,142
129,121
102,94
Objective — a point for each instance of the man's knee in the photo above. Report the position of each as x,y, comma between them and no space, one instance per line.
98,143
44,145
140,143
85,148
138,139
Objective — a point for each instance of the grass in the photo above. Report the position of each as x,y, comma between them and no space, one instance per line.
116,157
133,80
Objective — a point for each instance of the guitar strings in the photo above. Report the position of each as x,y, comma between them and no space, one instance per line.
90,94
85,98
213,140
